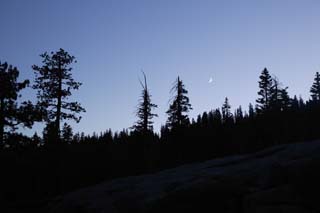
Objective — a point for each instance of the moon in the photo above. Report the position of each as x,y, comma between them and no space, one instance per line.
210,80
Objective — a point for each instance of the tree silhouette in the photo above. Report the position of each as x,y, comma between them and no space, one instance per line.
251,111
238,115
12,114
54,83
144,114
275,98
265,85
285,99
67,133
315,89
177,116
226,113
49,133
279,98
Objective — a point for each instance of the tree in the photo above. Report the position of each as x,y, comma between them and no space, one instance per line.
275,99
205,120
315,89
285,99
54,83
144,114
177,116
217,117
265,85
238,115
251,111
279,98
226,114
67,133
13,114
49,133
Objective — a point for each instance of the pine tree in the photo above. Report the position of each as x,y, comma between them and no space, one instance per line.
217,117
295,103
226,114
265,85
177,116
238,115
275,99
302,103
67,133
315,89
144,114
205,120
285,99
54,83
13,114
251,111
280,99
49,133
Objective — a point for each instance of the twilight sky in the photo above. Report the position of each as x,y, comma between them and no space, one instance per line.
231,41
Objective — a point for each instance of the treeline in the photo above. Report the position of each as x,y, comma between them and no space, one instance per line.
40,167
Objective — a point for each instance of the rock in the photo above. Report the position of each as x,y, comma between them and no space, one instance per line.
279,179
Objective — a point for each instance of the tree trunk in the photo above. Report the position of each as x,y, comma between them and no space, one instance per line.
58,116
145,116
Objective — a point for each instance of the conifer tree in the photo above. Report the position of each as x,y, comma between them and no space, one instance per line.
279,98
54,83
49,133
177,116
295,103
275,98
238,115
217,117
67,133
265,85
13,114
285,99
302,103
226,113
251,111
315,89
144,114
205,120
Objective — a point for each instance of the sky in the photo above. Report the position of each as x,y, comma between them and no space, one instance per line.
113,40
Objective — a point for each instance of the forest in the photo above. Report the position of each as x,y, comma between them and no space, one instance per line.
35,169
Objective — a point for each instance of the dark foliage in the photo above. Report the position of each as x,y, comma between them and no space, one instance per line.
54,83
315,89
265,85
13,114
144,114
177,116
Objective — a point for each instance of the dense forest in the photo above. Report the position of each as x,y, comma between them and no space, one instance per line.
34,169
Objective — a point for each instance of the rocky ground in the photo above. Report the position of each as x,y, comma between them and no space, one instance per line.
284,178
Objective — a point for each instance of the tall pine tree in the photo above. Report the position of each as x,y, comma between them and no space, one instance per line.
54,83
144,114
280,100
177,113
315,89
265,85
251,111
227,116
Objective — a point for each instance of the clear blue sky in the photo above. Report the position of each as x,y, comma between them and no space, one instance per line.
232,41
